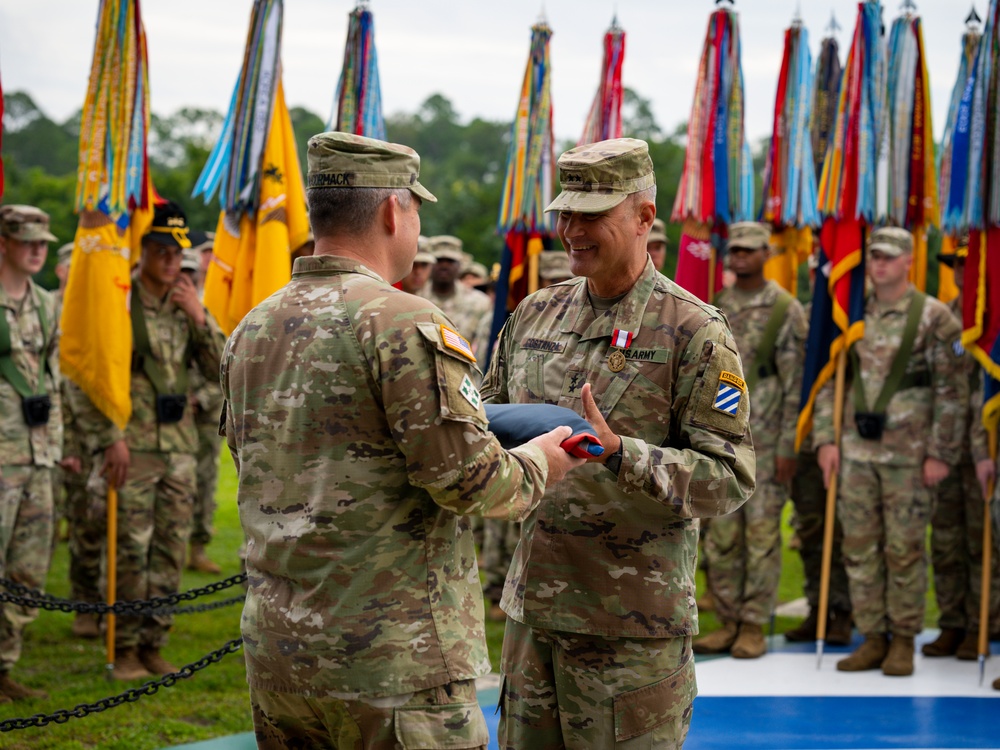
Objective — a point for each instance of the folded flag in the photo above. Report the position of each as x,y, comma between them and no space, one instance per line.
516,424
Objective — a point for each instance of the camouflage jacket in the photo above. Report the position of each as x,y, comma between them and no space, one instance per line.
611,555
975,443
175,343
921,422
469,309
19,444
774,402
360,442
206,397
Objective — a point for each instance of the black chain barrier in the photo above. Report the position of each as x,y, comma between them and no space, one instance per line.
161,605
129,696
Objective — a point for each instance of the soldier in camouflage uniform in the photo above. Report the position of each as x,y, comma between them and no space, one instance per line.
743,548
361,442
656,244
957,522
600,595
901,433
423,262
152,461
469,309
30,424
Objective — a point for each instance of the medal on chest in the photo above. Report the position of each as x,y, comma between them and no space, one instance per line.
620,340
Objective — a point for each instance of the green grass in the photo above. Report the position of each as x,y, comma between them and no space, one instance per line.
214,702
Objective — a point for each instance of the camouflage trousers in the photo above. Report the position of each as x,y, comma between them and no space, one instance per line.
87,516
957,552
743,551
570,690
499,542
25,547
447,716
884,511
809,498
207,478
154,525
60,490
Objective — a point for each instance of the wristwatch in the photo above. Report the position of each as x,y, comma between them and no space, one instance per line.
614,462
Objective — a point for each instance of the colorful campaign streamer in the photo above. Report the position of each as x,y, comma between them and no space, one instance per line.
605,118
357,105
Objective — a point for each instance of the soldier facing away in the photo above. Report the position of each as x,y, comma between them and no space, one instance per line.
903,422
361,442
600,595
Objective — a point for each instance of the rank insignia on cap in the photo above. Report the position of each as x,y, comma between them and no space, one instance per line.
453,340
727,398
469,391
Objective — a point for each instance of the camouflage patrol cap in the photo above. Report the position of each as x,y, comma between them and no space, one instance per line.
476,269
423,256
447,247
749,234
191,260
64,254
554,264
25,224
598,176
891,241
338,160
658,233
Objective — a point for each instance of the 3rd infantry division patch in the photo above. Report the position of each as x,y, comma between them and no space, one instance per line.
727,398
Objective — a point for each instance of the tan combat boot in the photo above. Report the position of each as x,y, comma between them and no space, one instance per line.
154,662
128,666
968,649
718,642
869,655
750,643
200,561
996,684
86,625
838,629
946,644
899,662
805,630
705,603
15,691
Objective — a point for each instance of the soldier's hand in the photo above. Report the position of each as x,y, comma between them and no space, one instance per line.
828,458
185,296
116,460
986,472
935,470
560,462
784,469
72,464
605,434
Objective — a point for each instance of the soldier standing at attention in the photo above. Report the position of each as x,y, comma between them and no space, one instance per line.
361,440
30,424
600,595
656,244
903,422
152,462
423,261
744,547
469,309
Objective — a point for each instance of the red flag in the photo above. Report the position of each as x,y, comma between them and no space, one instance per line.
694,260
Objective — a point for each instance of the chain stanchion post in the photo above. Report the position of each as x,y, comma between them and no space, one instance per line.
112,570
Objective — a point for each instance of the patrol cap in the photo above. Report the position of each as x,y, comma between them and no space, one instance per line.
554,264
201,241
476,269
658,233
64,253
191,260
447,247
169,225
749,234
961,251
25,223
891,241
598,176
423,256
337,160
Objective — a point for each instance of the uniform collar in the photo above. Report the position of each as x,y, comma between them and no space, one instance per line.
18,306
627,312
329,265
902,305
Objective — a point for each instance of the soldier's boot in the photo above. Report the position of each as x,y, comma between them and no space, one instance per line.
946,644
200,561
86,625
899,662
154,662
805,630
838,629
128,666
996,684
869,655
705,603
750,643
968,649
718,642
15,691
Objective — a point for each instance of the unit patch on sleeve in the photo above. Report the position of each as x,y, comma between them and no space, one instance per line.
729,393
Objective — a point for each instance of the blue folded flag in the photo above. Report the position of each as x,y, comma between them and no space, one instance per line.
516,424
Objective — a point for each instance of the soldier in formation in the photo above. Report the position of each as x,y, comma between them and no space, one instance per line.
469,309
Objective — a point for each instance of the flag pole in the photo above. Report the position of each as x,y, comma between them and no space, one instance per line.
984,586
831,510
112,569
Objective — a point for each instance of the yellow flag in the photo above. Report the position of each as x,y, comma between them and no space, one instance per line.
251,260
95,348
947,288
791,247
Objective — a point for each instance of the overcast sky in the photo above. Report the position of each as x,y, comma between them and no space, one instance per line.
472,52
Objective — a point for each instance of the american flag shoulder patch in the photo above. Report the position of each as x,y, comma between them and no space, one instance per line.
454,341
729,394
